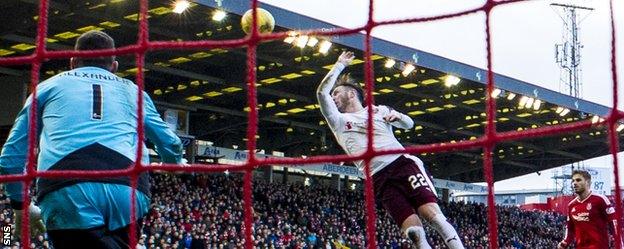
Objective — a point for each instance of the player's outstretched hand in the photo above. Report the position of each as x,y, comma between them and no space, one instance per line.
346,58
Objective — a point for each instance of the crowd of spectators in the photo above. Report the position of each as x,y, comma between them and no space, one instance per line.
206,211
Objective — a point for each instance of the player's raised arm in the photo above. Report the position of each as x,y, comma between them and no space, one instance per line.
323,92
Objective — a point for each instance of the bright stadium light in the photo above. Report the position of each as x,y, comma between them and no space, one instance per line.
451,80
529,103
407,70
290,39
301,41
559,109
595,119
312,42
537,104
180,6
564,112
496,92
620,128
523,101
218,15
511,96
389,63
292,36
324,47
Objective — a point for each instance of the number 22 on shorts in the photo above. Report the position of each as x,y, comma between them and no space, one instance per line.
418,181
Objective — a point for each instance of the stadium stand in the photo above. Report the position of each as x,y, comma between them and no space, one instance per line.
205,211
295,216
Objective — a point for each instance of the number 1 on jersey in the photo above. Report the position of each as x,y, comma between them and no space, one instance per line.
96,112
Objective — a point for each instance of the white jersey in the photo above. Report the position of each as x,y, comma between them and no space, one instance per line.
350,128
350,132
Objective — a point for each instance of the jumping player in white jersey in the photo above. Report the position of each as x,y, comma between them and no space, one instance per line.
400,180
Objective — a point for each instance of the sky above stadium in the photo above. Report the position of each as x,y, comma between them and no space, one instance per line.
523,41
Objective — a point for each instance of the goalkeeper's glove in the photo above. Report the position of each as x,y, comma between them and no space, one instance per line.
36,224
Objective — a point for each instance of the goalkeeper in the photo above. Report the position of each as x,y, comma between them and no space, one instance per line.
86,120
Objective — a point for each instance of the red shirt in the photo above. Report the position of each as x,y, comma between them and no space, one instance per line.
588,222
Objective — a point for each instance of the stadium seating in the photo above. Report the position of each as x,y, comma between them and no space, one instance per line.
205,211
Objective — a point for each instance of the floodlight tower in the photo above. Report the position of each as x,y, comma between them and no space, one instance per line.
568,53
568,57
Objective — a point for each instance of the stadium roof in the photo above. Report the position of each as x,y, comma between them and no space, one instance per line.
211,84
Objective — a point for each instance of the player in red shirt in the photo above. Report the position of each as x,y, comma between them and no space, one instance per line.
589,216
